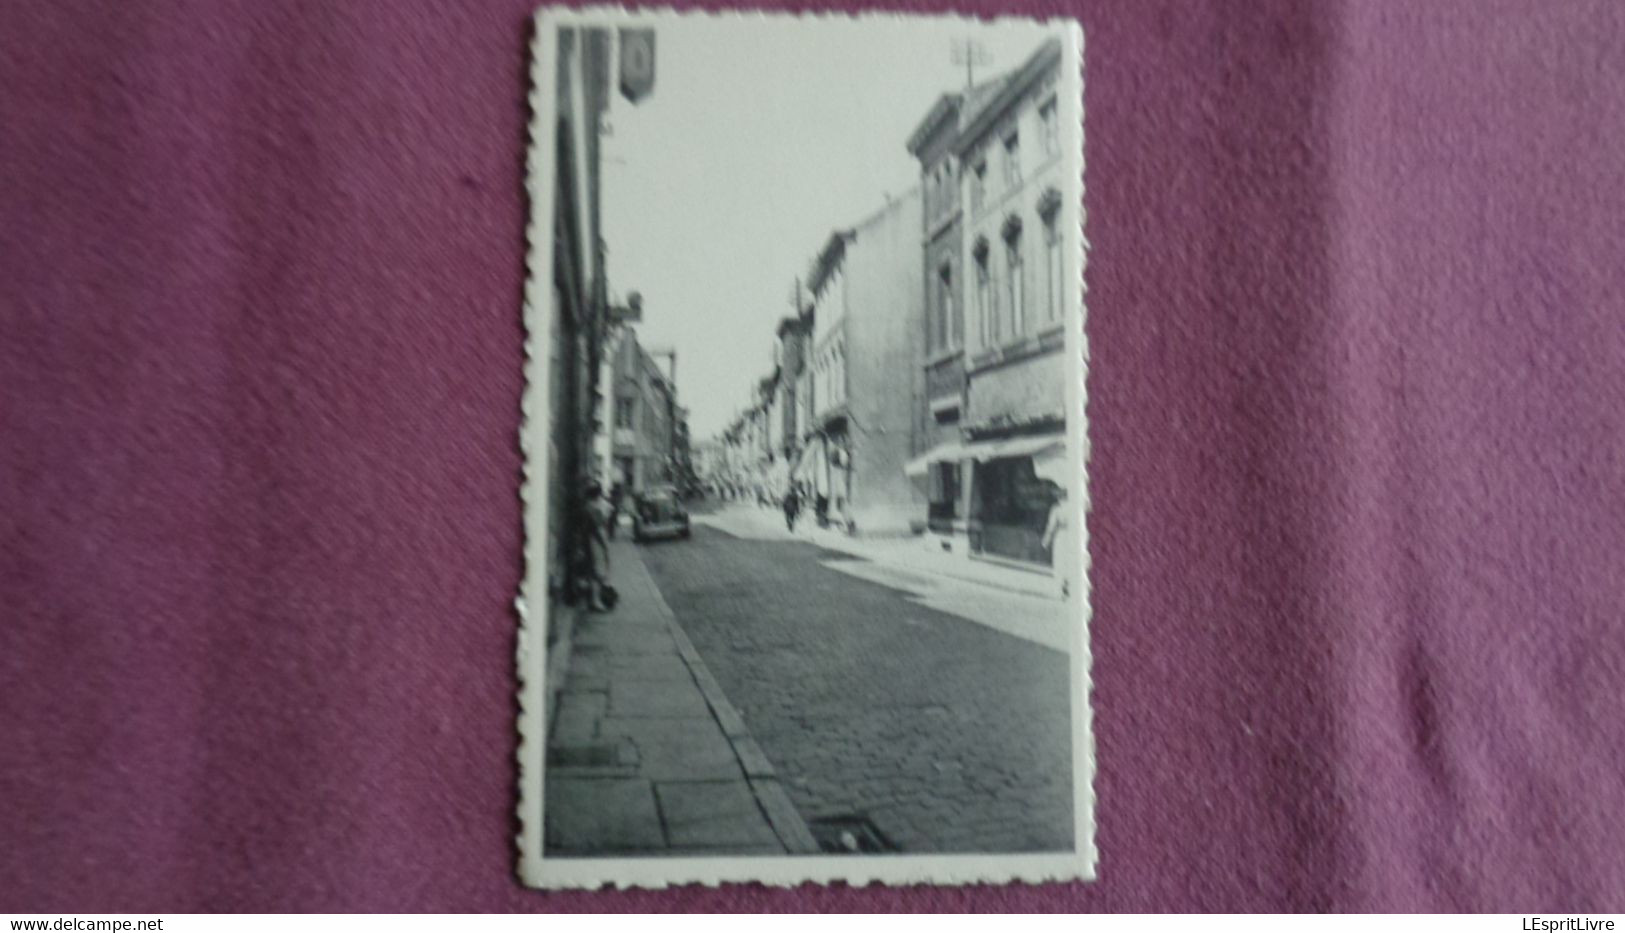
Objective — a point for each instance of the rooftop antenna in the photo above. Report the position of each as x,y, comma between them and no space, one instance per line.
970,53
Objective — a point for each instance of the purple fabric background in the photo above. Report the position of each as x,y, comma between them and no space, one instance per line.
1357,398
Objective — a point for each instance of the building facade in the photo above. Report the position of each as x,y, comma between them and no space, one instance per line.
603,465
710,464
791,353
684,473
941,386
576,328
645,427
748,446
1013,428
992,461
868,307
795,414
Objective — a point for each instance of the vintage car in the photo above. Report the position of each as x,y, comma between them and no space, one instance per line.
659,512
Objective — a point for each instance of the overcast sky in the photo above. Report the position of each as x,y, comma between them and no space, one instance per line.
761,137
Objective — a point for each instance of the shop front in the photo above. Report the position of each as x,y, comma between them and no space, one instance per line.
944,497
941,472
998,493
831,468
1014,484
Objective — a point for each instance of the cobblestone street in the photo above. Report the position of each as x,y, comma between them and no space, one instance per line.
948,735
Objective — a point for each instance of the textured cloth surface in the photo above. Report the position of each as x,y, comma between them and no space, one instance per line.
1356,403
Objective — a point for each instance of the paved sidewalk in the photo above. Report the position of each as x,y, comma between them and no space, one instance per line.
911,553
645,754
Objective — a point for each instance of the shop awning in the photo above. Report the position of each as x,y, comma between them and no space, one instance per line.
1044,446
982,451
950,452
1051,464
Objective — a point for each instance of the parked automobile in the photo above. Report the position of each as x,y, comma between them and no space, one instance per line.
659,512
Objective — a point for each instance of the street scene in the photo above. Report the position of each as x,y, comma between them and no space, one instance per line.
814,526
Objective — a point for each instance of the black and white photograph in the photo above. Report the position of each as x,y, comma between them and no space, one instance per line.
806,592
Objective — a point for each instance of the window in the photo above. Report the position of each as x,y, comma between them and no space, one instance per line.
1012,161
1012,504
1016,284
978,186
1052,266
945,331
623,411
987,327
1049,128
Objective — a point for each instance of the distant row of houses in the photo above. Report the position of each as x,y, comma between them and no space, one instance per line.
644,442
919,385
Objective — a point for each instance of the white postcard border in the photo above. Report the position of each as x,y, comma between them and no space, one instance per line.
655,871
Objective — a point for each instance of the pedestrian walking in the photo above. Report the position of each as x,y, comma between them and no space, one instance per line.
616,501
616,494
792,507
1058,538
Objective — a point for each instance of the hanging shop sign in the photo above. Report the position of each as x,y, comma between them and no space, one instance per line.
637,63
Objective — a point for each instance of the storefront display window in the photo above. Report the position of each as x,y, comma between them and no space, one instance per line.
1009,506
944,498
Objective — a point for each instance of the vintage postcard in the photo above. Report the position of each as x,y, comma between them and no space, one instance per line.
806,593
